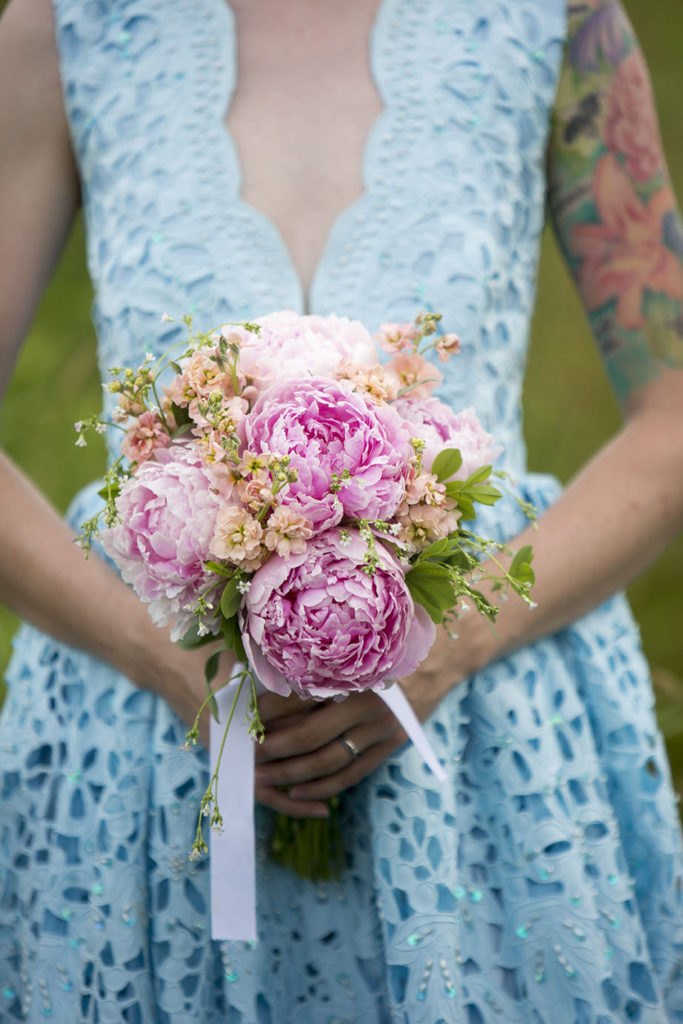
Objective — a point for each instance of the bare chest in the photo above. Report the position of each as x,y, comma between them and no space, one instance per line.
302,109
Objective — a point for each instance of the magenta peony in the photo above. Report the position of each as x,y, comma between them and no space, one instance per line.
328,429
439,427
316,624
168,512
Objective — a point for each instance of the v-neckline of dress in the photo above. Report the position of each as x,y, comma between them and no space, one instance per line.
306,298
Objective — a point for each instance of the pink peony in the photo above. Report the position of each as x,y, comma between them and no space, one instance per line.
328,429
291,346
435,424
316,624
168,511
146,435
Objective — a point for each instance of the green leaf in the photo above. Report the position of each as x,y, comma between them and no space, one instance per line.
466,508
446,464
436,549
461,560
485,494
233,637
520,569
107,492
180,414
179,431
454,488
220,569
230,599
210,670
479,475
176,366
211,666
192,640
430,586
525,555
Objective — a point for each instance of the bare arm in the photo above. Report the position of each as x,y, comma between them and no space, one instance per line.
43,575
615,217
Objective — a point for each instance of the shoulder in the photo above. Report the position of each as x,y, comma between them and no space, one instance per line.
28,49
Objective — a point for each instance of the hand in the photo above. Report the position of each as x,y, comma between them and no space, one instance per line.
302,748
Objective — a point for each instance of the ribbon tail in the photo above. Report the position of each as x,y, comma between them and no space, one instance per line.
396,700
233,851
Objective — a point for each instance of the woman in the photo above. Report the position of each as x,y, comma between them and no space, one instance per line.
542,882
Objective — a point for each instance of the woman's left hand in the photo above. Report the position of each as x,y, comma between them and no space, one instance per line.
305,758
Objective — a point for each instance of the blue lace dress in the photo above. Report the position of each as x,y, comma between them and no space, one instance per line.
542,883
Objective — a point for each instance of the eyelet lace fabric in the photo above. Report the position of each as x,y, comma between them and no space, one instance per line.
542,883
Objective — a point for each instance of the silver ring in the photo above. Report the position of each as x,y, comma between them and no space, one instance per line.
353,750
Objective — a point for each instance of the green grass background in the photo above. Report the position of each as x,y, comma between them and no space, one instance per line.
569,408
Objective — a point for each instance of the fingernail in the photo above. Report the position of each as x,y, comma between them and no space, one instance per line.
261,774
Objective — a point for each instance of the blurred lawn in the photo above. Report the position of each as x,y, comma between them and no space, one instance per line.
569,408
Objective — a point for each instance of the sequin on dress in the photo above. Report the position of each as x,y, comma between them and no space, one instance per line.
542,883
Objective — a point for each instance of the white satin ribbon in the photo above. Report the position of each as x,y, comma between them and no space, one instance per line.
233,854
396,700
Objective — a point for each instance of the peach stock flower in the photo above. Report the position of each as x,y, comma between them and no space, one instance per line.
425,488
147,433
257,490
287,532
420,525
623,255
201,375
409,368
396,337
376,382
237,537
446,346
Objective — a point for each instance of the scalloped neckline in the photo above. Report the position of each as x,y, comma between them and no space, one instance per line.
307,298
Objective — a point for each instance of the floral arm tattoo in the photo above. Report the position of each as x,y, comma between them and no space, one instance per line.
611,200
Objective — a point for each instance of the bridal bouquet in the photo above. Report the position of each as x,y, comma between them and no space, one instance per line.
308,507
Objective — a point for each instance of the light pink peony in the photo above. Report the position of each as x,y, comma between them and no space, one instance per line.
435,424
327,429
146,435
316,624
291,346
168,511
